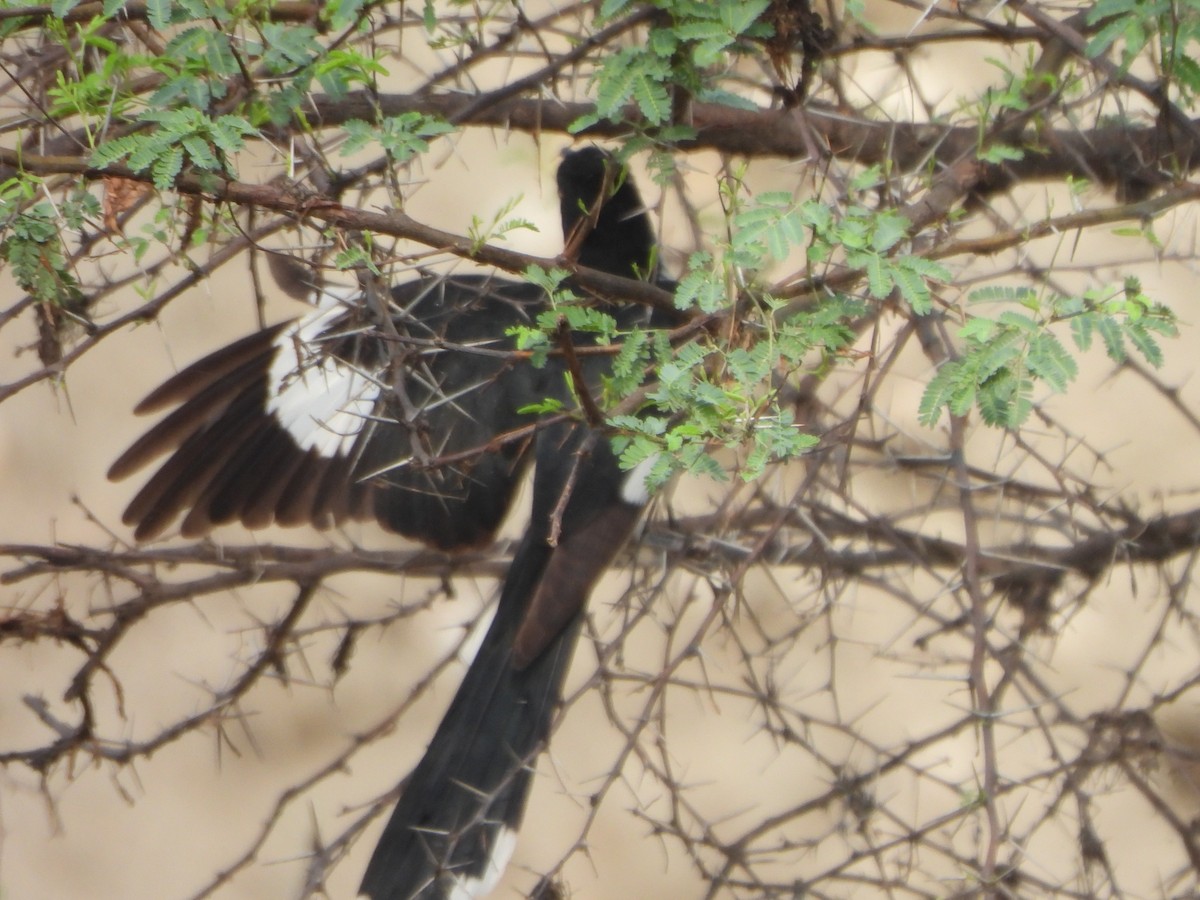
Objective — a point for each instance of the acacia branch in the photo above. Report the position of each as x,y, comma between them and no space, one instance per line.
1117,154
290,199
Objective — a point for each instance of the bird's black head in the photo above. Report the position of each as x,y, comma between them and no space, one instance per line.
619,240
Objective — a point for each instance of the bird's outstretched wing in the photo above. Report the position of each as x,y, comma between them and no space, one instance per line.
409,417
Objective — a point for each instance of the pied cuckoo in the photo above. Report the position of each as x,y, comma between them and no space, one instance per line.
411,418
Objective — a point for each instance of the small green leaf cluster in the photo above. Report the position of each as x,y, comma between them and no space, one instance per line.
358,254
160,13
211,48
1134,24
580,319
297,62
691,38
762,230
177,136
340,69
1127,315
869,239
500,226
93,92
1011,96
291,55
163,13
33,246
703,398
90,93
767,227
402,137
196,66
1005,357
539,339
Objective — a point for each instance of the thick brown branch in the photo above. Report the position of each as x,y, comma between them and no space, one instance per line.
283,198
1114,154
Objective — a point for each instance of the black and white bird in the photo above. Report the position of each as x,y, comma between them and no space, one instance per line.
411,417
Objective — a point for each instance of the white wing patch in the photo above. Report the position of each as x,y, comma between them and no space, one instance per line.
322,402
